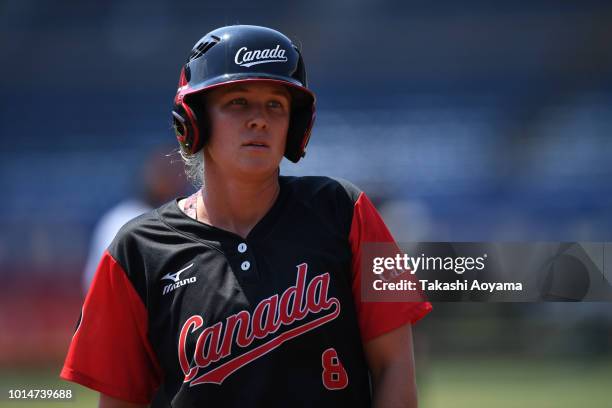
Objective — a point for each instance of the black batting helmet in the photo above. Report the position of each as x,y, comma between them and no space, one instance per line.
243,53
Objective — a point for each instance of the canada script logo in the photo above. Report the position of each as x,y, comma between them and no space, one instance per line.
215,342
246,58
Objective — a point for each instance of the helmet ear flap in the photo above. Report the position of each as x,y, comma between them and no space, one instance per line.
185,124
300,125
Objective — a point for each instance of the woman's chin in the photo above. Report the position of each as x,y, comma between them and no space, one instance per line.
257,167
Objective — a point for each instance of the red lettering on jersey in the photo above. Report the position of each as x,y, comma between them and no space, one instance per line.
295,304
314,303
290,312
206,355
244,338
334,375
261,330
220,373
197,322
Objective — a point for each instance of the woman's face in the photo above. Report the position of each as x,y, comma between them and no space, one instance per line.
248,129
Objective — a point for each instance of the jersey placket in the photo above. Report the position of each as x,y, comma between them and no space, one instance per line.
241,258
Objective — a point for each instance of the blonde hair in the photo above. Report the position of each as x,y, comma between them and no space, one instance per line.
194,167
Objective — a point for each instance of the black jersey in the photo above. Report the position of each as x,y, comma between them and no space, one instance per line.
204,317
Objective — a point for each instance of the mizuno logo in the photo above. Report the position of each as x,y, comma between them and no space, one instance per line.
246,58
175,277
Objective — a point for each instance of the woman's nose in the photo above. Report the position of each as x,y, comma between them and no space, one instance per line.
258,119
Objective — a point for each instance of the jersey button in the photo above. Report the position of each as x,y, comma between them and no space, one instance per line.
245,266
242,247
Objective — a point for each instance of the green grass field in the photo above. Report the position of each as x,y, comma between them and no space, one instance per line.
454,383
516,383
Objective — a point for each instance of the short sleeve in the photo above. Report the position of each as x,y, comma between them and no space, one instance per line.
376,318
110,351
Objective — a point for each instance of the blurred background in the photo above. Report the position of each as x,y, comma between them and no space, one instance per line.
470,121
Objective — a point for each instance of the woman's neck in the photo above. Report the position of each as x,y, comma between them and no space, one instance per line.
236,205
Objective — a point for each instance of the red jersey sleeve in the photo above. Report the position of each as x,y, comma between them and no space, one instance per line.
110,351
376,318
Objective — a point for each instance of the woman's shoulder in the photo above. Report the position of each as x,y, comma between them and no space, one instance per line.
141,230
318,187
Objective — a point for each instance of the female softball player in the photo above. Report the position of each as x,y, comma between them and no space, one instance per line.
246,293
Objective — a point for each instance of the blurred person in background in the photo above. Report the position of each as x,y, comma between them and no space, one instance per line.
159,181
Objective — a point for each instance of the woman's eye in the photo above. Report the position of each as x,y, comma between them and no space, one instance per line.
275,104
238,101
